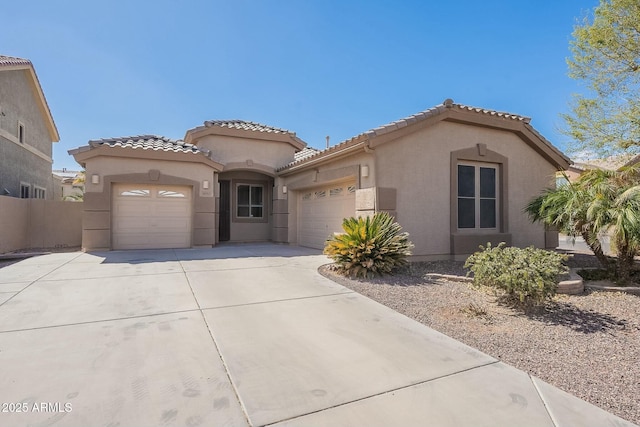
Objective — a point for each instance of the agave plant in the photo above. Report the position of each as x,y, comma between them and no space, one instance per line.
369,246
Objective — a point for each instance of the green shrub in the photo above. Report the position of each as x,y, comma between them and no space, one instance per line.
369,246
526,276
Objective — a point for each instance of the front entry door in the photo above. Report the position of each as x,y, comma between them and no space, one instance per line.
224,227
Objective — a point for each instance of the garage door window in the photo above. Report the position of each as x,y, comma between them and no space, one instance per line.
172,194
137,192
249,201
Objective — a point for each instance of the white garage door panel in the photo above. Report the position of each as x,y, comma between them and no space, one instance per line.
321,212
151,217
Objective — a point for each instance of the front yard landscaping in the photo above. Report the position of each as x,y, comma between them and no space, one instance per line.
587,345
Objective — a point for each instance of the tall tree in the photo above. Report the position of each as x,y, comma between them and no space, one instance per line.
597,203
606,57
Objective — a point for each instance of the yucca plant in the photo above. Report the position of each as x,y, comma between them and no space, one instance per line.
369,246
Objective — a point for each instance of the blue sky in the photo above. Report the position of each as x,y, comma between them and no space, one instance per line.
118,68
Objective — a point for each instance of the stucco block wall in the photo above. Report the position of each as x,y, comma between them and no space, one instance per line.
418,167
20,162
55,223
14,223
31,223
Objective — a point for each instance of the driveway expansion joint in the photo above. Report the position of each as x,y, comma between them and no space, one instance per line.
278,300
393,390
544,401
37,279
245,413
88,322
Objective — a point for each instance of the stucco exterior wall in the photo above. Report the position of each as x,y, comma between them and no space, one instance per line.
235,152
29,162
418,167
31,223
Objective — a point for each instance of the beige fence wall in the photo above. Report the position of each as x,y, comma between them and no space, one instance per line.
33,223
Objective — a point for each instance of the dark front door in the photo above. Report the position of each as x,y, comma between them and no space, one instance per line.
224,227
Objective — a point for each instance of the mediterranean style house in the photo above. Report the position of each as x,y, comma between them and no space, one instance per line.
453,176
27,131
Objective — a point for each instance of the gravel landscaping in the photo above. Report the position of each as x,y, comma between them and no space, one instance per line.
587,345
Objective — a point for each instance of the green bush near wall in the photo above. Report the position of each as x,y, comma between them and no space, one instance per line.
525,276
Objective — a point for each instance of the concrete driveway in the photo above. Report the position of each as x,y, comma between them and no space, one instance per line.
240,335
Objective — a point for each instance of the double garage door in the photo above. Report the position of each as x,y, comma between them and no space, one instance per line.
151,216
321,211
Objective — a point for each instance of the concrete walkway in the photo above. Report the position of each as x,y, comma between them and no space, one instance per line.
240,335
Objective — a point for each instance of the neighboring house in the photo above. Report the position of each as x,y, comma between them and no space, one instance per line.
68,184
609,163
453,176
27,131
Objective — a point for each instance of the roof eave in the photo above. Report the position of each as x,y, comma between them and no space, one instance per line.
448,111
201,131
84,153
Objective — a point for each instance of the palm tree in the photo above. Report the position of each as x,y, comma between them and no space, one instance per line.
565,208
598,202
615,208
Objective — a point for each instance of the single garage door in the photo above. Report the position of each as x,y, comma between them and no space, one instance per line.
321,212
151,216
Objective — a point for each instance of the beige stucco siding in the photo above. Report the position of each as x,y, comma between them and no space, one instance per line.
28,162
106,166
231,151
18,102
418,166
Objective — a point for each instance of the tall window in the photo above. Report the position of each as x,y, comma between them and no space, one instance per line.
25,191
477,196
38,192
21,135
249,201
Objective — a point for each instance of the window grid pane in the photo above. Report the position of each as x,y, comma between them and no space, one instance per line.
243,195
466,181
488,182
487,213
466,213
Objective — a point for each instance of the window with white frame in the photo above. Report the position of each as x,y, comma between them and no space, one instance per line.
25,190
249,201
477,196
38,192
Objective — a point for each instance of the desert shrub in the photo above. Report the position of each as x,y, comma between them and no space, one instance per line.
526,276
369,246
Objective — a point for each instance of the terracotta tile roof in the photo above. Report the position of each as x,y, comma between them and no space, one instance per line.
150,142
423,115
12,60
305,153
246,125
